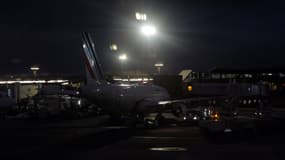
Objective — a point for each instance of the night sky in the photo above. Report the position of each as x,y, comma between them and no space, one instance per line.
191,34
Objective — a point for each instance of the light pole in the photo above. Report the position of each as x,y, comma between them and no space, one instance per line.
148,30
159,66
35,69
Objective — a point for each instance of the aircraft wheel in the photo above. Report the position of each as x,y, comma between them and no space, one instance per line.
153,123
150,124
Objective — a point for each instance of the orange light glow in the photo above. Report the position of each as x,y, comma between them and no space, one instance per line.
189,88
215,116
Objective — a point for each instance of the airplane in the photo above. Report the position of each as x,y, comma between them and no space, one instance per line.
128,100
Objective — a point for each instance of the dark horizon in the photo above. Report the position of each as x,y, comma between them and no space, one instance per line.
194,35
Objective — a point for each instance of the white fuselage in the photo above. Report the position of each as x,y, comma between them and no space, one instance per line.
123,99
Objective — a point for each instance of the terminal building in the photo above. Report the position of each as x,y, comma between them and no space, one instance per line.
25,86
272,79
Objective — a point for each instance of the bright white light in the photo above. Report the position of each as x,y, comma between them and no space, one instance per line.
138,16
136,79
195,118
141,16
159,65
164,102
125,85
32,81
65,83
56,81
148,30
144,17
132,79
35,68
123,57
114,47
79,102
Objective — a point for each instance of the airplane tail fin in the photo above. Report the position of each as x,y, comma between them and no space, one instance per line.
93,66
